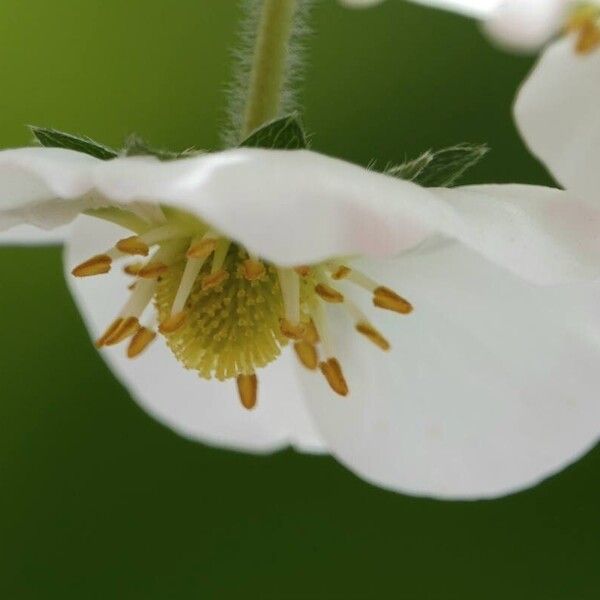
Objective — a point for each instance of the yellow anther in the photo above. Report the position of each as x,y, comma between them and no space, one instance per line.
140,341
588,38
173,323
332,371
372,334
253,269
214,279
133,245
307,355
328,293
248,390
202,248
293,331
97,265
133,269
153,270
101,341
387,299
341,272
302,270
311,335
127,328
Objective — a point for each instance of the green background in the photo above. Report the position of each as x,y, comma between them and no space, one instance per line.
99,501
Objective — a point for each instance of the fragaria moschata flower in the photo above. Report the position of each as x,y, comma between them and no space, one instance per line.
290,275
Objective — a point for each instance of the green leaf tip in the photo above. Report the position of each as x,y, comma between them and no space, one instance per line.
285,133
440,168
52,138
137,146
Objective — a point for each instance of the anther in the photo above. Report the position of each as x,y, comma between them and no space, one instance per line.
173,323
127,328
293,331
311,335
140,341
101,341
202,248
133,269
588,38
248,390
302,270
372,334
253,269
341,272
97,265
133,245
307,355
387,299
153,270
328,293
214,279
332,371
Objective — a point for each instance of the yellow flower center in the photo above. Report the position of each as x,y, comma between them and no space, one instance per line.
225,313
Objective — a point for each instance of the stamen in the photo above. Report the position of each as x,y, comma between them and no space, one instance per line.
307,354
341,272
302,270
291,330
126,329
248,390
328,293
133,245
372,334
289,283
388,299
253,269
332,371
588,39
153,270
140,341
165,233
202,248
214,279
97,265
310,334
173,323
133,269
101,341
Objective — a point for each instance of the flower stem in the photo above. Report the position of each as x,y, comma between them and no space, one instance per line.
269,71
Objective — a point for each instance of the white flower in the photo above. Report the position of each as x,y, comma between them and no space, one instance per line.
557,114
491,384
520,25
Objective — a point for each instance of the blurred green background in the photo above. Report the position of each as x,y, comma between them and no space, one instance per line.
97,499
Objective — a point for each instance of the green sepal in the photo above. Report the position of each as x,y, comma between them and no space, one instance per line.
52,138
137,146
285,133
440,168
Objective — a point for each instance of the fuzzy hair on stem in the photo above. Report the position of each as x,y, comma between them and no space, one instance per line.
244,54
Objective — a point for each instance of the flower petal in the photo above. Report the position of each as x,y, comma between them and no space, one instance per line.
208,411
525,26
491,384
28,235
557,114
478,9
43,186
290,207
542,234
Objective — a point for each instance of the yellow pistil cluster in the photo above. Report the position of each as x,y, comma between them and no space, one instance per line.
584,21
225,313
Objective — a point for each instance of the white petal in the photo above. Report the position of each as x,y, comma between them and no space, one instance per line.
491,384
478,9
28,235
557,114
290,207
542,234
43,186
526,25
208,411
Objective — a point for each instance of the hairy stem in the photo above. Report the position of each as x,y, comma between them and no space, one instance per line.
269,64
